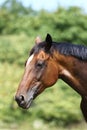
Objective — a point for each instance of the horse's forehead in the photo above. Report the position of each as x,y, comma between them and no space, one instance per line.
39,54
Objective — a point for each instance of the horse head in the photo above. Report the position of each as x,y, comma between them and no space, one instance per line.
41,71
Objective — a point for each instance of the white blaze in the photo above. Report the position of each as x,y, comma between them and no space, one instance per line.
29,60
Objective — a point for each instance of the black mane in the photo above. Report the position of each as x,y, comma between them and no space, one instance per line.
68,49
78,51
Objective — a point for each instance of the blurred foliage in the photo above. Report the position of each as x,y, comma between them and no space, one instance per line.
57,105
64,24
15,49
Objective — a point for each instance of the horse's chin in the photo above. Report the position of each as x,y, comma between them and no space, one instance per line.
27,105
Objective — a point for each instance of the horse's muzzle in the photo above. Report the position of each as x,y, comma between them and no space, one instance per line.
25,100
22,102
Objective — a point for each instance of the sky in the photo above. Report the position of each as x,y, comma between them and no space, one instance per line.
51,5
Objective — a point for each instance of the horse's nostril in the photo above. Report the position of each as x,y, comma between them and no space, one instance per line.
19,98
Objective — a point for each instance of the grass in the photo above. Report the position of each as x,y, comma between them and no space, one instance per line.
39,125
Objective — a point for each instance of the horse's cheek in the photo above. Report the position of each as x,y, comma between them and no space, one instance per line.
50,77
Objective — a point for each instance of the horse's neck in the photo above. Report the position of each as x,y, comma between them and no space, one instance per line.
69,72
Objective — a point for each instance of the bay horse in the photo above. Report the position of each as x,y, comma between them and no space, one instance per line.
49,61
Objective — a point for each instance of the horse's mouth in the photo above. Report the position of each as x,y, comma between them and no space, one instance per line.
25,100
31,95
29,103
26,105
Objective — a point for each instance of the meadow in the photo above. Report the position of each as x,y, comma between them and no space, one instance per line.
58,108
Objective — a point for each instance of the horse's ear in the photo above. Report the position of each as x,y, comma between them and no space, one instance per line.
48,41
38,40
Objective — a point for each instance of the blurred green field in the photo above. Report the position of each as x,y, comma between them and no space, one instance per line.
57,108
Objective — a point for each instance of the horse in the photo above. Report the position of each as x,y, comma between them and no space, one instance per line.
49,61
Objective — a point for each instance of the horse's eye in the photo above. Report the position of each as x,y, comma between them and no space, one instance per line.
40,64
